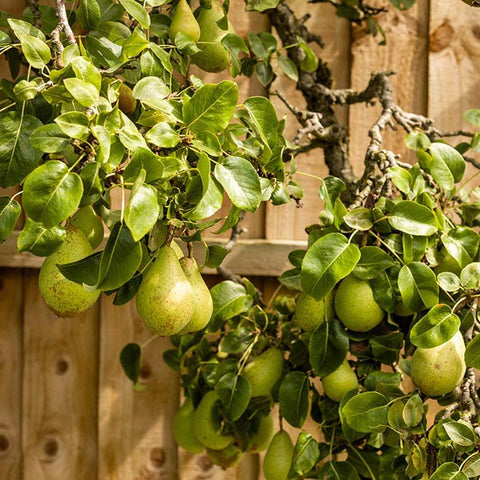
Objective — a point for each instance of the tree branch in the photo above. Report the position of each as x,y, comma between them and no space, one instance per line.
62,26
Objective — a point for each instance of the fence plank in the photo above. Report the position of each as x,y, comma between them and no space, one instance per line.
288,221
135,427
60,379
454,62
11,306
406,54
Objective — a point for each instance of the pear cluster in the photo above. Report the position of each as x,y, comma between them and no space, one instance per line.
203,28
173,297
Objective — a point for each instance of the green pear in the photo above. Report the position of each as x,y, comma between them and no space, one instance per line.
437,371
355,305
278,458
183,428
90,224
184,21
64,297
127,103
264,371
203,300
226,457
207,423
310,313
339,382
260,440
165,299
214,57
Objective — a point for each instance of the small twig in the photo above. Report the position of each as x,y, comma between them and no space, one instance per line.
37,17
62,26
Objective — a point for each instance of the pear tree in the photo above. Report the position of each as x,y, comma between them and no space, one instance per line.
104,133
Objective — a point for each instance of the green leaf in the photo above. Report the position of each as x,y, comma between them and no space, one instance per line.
74,124
359,219
438,326
413,411
142,209
472,116
23,29
17,156
136,11
310,61
449,282
10,211
211,107
326,262
293,398
413,218
37,239
462,244
305,455
89,14
415,140
131,361
83,92
418,286
215,255
448,471
235,393
327,347
470,276
386,348
36,51
83,271
52,193
447,165
288,67
240,180
229,300
471,466
384,291
472,353
401,178
334,470
49,139
163,135
460,433
261,5
86,71
120,258
373,261
366,412
264,119
149,89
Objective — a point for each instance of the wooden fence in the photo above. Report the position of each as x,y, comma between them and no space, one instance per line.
67,412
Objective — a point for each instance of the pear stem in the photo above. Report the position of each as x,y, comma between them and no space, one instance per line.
190,249
169,238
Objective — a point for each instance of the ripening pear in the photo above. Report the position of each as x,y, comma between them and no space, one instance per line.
355,305
165,299
339,382
126,101
184,21
62,296
310,313
260,440
203,300
214,57
183,428
226,457
278,458
264,371
207,423
437,371
90,224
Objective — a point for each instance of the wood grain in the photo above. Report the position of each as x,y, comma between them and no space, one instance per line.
11,306
406,54
288,221
134,427
60,378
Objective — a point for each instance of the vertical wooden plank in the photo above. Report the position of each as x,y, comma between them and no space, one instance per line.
288,221
59,391
454,62
135,427
406,54
11,306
